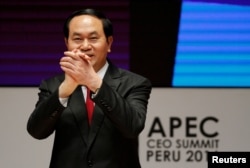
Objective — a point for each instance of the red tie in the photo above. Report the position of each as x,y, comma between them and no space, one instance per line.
90,106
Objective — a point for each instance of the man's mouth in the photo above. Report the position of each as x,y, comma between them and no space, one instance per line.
89,55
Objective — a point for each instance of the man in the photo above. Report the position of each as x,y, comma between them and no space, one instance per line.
108,139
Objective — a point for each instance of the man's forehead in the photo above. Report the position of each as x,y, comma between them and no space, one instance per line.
87,19
89,33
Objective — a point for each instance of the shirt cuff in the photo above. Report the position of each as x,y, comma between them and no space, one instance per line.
64,101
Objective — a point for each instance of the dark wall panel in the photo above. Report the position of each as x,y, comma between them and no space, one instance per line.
153,39
32,39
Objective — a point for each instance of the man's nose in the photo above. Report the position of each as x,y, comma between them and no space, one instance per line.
85,45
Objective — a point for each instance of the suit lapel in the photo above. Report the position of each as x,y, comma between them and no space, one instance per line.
112,78
79,110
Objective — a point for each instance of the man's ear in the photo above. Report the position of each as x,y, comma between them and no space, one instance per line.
110,41
66,41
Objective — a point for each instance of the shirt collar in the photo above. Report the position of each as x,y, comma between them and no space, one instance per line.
103,70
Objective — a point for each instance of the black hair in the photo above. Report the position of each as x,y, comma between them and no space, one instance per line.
107,25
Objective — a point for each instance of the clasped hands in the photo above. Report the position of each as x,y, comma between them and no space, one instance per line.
78,71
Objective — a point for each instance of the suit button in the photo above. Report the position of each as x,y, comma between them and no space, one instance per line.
90,163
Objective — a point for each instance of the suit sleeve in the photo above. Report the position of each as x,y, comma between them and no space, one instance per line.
127,106
48,109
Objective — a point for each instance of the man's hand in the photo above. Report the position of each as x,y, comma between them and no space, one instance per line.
78,71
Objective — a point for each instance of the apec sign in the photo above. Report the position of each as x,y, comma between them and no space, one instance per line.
183,125
169,148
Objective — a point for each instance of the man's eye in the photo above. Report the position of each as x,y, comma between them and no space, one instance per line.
77,39
93,38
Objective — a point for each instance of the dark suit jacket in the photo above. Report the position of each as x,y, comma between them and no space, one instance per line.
112,139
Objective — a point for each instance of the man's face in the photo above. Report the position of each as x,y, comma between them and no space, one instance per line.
86,33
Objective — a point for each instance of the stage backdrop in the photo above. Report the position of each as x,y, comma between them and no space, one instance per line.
182,125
